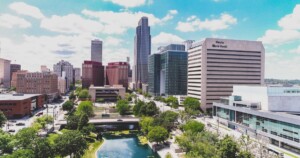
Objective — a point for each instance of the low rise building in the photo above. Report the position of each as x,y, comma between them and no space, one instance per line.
4,73
19,105
264,112
107,93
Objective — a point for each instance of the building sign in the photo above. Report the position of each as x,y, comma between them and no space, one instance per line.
219,44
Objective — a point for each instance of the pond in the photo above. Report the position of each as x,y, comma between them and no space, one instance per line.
124,147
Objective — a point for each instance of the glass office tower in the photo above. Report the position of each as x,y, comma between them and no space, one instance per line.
167,71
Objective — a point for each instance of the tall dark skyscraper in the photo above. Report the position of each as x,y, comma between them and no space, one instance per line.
142,49
96,51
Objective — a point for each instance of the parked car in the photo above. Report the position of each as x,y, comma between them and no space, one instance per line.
12,121
119,120
11,130
20,124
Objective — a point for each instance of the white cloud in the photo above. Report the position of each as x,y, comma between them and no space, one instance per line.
289,32
170,15
193,23
166,38
280,67
26,9
130,3
71,24
291,21
276,37
112,41
10,21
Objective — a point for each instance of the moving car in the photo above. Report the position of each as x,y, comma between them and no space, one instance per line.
20,124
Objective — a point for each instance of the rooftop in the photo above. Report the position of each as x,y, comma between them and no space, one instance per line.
16,96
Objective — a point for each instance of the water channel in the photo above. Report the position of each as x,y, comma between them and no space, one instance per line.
127,146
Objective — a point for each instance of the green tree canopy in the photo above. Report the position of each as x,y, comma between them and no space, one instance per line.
123,107
44,120
193,126
25,137
2,119
146,124
68,105
83,121
85,107
191,103
70,143
21,153
228,148
42,148
137,107
6,142
172,101
158,134
72,122
84,94
166,119
72,96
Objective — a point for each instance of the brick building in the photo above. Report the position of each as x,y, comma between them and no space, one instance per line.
117,74
19,105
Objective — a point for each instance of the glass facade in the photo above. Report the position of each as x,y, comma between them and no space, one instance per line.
288,131
167,73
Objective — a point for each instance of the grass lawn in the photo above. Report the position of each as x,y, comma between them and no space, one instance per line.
93,147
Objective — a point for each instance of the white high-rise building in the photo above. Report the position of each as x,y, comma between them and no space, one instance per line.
215,65
64,66
96,50
5,73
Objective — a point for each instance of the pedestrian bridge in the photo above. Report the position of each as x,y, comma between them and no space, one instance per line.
107,121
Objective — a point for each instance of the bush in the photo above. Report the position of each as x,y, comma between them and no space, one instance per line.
84,94
68,106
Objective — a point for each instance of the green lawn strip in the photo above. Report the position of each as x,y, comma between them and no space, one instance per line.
91,151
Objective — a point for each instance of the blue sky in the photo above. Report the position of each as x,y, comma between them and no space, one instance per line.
34,33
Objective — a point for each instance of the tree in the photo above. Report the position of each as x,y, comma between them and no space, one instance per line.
137,107
25,137
166,119
158,134
83,121
151,109
21,153
2,119
123,107
146,124
72,96
6,142
78,90
42,148
44,120
245,154
193,126
86,130
84,94
228,148
72,122
191,103
85,107
173,102
70,143
68,106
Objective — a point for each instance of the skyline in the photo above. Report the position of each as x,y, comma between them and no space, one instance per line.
36,31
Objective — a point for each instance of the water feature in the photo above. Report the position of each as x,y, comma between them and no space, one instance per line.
124,147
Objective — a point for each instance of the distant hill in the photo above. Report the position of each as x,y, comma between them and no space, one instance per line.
283,82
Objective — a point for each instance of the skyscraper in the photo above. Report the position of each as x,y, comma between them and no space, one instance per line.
168,71
142,49
96,51
64,66
215,65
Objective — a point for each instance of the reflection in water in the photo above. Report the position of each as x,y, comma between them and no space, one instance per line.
124,147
